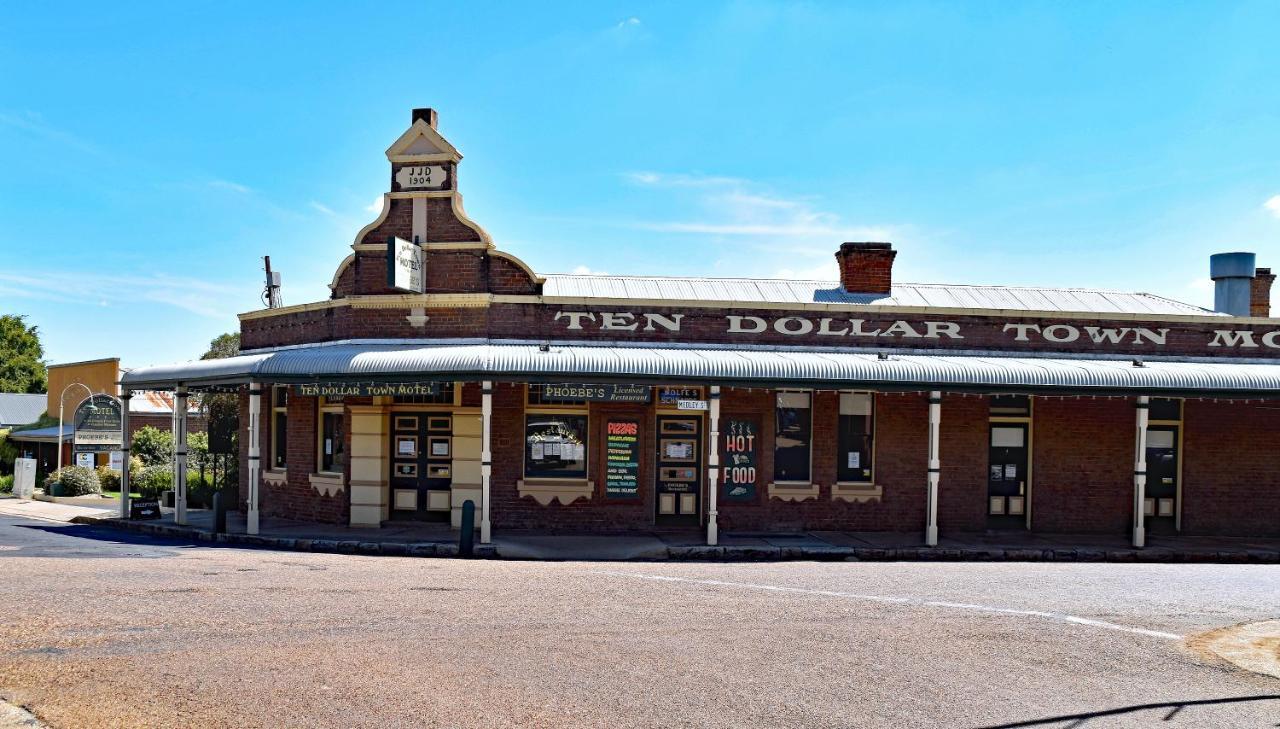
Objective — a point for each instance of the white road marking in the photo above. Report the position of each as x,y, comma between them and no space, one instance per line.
1060,617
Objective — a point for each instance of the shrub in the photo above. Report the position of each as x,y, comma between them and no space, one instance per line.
76,481
109,479
6,484
153,446
152,481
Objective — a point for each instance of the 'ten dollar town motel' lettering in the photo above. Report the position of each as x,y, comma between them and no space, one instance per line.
903,329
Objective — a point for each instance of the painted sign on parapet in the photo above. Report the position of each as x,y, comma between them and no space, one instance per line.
405,266
622,459
739,469
99,425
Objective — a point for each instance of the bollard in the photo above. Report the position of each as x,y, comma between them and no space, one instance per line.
219,513
467,539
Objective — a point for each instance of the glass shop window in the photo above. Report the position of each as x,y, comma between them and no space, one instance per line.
855,434
333,444
279,425
793,431
555,446
1164,409
1010,406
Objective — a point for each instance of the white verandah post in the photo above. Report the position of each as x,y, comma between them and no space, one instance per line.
180,454
935,470
486,459
125,444
1140,473
255,412
713,469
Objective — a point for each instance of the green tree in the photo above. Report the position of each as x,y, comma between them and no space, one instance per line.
22,366
223,346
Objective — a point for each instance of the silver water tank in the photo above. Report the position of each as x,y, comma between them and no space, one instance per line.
1232,275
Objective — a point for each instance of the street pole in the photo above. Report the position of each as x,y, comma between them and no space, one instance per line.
61,398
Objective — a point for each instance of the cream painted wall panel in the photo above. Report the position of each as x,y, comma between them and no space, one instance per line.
467,425
366,515
366,469
365,494
367,446
466,473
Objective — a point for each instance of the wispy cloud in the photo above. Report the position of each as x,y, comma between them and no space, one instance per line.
232,186
33,123
587,271
629,22
788,235
1273,204
375,206
194,295
320,207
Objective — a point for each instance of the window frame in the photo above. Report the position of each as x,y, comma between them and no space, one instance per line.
531,410
808,444
279,428
324,408
841,452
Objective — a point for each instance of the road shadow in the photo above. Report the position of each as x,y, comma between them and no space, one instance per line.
1170,710
48,543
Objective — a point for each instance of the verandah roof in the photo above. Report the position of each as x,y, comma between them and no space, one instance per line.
382,361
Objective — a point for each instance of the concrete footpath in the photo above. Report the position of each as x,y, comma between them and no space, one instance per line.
437,540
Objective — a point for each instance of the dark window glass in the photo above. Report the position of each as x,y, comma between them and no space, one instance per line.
280,438
279,397
443,396
855,431
555,446
1165,409
792,435
1010,406
333,449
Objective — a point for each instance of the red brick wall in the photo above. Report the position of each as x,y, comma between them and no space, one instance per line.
1082,451
962,446
296,498
1231,472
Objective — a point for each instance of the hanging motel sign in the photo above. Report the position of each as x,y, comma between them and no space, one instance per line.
99,425
405,266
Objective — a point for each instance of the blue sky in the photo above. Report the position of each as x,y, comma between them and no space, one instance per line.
149,156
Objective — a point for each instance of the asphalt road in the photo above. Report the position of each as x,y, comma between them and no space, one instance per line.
102,628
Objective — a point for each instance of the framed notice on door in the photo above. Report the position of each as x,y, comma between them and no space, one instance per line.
739,471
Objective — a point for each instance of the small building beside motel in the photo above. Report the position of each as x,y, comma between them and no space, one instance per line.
442,370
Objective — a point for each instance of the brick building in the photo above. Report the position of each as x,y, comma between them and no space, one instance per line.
442,370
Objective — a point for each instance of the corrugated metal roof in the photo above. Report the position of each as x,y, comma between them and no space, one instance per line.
43,435
387,362
20,409
782,291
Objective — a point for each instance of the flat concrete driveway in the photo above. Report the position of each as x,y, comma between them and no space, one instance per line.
106,629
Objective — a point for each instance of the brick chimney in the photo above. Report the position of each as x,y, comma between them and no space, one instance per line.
426,115
1260,292
866,268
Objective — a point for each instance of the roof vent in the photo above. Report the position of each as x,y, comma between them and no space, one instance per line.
1232,275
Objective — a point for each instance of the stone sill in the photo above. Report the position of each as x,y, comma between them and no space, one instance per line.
327,484
566,491
275,478
793,491
859,493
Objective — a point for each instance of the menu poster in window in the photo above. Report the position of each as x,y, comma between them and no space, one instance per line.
739,469
622,459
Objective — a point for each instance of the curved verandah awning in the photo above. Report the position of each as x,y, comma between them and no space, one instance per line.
383,361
